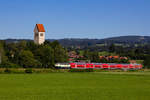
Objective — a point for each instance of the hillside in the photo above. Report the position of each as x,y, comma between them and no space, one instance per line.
129,40
126,40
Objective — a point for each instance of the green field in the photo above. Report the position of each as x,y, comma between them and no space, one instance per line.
76,86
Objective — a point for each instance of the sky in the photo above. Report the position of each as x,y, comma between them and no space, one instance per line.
74,18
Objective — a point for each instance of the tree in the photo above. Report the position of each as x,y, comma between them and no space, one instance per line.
86,55
26,59
3,57
124,60
45,55
146,62
31,46
22,45
103,60
112,48
47,42
54,44
1,53
60,54
94,57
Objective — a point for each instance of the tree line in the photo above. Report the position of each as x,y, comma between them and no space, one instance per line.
26,54
29,55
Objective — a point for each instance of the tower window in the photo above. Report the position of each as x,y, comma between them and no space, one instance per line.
41,34
36,34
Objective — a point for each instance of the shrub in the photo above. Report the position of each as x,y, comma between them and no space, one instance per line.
101,70
44,70
28,70
2,70
9,65
7,70
81,70
17,70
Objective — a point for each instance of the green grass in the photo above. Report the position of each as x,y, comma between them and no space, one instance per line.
105,53
76,86
139,61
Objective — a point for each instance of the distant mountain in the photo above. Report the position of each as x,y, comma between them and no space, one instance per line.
15,40
130,40
127,39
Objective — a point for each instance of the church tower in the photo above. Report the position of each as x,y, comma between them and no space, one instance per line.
39,34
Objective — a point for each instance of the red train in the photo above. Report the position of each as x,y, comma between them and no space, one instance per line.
105,66
98,66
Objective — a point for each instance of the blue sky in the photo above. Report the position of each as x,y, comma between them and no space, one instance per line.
74,18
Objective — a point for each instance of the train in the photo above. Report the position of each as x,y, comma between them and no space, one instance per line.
78,65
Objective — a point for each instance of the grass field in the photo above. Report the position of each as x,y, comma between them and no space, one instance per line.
76,86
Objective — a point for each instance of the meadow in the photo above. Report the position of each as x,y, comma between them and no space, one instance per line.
76,86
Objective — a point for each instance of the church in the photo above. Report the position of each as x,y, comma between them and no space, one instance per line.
39,34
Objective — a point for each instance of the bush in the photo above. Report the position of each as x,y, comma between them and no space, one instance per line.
81,70
146,62
101,70
2,70
9,65
17,70
132,70
28,70
43,70
7,70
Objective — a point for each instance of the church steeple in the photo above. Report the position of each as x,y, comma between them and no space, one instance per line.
39,34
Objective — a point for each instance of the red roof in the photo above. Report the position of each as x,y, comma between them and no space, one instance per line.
40,27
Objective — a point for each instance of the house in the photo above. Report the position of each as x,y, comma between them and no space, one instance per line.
73,56
39,34
132,61
112,57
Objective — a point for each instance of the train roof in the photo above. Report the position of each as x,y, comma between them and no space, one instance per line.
105,63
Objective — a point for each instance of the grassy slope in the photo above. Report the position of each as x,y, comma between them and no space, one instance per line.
75,86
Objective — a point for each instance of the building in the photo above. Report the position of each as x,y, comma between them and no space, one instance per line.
39,34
